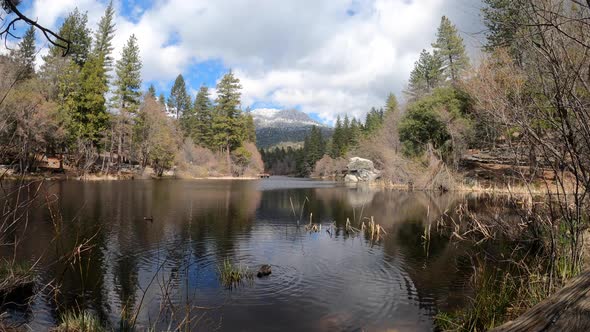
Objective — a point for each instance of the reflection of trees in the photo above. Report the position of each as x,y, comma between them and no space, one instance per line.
106,277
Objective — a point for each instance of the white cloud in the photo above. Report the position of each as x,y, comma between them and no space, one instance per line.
304,53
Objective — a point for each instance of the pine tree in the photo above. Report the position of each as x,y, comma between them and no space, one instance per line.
249,127
346,135
162,99
128,81
451,50
75,30
426,75
103,39
179,99
504,20
91,111
337,139
354,132
314,149
391,105
152,91
227,129
204,134
25,54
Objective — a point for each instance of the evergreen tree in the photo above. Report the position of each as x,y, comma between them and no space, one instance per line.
426,75
75,30
227,129
103,39
25,54
152,91
128,82
354,132
337,139
91,112
162,99
373,121
346,135
203,134
451,50
504,20
314,149
391,105
179,100
249,127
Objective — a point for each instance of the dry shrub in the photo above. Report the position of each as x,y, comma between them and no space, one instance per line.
247,160
329,168
384,149
197,161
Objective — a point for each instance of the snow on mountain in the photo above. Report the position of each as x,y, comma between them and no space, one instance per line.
274,118
275,126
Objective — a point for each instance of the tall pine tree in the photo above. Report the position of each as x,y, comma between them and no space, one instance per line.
128,81
179,99
391,105
228,132
426,75
204,113
25,54
75,29
103,38
451,50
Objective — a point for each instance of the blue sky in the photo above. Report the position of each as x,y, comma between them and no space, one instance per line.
326,58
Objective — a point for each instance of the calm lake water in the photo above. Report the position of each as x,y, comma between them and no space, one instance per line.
168,267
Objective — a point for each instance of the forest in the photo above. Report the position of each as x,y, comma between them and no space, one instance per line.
89,115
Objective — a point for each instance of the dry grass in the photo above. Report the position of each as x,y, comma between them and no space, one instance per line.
84,321
15,275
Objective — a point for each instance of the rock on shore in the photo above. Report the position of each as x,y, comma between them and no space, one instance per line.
361,170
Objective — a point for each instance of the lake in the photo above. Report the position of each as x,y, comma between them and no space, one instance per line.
168,267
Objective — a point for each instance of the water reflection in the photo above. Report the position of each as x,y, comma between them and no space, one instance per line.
166,269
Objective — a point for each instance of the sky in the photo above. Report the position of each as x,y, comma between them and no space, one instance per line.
323,57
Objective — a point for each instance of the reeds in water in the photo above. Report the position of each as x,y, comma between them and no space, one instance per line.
15,276
232,275
83,321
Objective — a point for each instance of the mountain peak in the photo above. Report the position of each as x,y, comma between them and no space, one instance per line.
274,118
275,126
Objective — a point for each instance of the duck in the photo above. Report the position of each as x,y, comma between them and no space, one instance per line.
264,271
148,218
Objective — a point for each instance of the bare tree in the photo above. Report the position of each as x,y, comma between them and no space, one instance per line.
13,16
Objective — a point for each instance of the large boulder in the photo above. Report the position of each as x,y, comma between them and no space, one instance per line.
361,170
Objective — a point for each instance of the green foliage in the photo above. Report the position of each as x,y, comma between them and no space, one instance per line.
391,105
373,121
25,54
152,91
227,125
426,75
127,92
504,21
75,30
232,275
91,113
314,148
423,124
281,161
103,38
179,99
155,136
450,49
201,127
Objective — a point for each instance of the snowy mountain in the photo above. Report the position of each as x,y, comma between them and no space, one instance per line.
278,126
